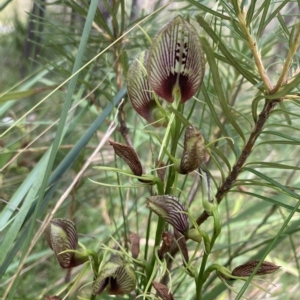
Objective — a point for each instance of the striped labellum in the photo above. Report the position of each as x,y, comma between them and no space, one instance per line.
176,61
116,276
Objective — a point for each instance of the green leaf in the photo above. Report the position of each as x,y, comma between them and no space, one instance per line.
32,185
279,236
265,6
250,12
274,13
286,89
281,135
224,49
283,25
23,94
215,116
208,10
273,182
60,130
218,86
271,200
263,164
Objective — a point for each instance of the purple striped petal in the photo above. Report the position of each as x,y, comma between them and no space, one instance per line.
176,62
61,235
139,91
170,209
116,276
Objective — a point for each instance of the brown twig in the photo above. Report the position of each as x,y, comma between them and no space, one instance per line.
237,168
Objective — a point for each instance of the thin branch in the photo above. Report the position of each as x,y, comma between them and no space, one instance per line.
237,168
292,50
257,58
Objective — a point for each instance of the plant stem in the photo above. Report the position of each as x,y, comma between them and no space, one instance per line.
237,168
201,278
253,47
289,57
199,281
93,297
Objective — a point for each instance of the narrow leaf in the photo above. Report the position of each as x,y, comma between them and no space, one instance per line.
218,86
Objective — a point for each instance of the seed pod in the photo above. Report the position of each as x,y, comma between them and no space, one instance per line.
193,151
171,210
176,62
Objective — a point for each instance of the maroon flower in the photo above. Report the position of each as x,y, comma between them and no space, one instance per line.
176,61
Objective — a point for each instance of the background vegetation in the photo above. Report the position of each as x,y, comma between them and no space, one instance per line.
63,75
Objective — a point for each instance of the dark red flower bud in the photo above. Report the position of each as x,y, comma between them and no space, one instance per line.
247,269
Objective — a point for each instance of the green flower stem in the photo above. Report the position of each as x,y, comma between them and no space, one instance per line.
166,138
159,230
173,133
125,221
147,235
95,262
201,280
203,275
179,116
93,297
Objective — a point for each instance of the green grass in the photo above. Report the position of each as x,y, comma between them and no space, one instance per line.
55,115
